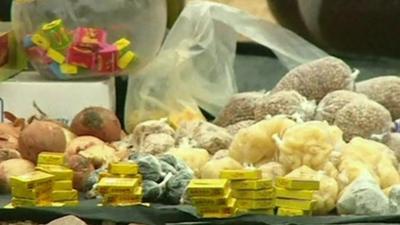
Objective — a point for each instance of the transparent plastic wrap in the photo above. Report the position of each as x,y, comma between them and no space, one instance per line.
69,39
195,64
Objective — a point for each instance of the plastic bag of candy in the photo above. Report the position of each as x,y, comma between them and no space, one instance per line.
69,39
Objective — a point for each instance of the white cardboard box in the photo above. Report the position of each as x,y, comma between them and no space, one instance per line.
60,100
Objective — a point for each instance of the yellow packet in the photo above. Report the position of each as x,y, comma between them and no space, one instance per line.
65,203
226,209
292,212
255,204
208,187
59,196
126,198
217,215
211,200
62,185
270,211
38,193
22,202
251,184
9,206
51,158
59,172
32,180
294,204
254,194
294,194
297,184
246,174
123,168
117,185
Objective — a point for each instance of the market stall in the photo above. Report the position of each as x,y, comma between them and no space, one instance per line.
192,143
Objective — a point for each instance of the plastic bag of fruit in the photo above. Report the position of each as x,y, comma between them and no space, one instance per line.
195,64
69,39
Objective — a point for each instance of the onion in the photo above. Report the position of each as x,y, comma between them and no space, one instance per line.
100,155
43,136
13,167
99,122
81,143
6,154
82,168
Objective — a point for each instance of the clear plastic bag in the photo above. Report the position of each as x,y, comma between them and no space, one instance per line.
68,39
195,65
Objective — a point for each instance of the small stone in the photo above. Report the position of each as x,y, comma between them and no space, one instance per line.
67,220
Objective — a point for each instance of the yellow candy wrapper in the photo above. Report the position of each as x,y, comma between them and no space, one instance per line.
126,59
230,208
21,202
294,204
251,184
68,68
65,204
208,187
294,194
294,184
56,56
122,44
33,194
32,180
292,212
62,185
59,172
59,196
117,185
51,158
255,204
123,168
246,174
256,211
206,201
41,41
254,194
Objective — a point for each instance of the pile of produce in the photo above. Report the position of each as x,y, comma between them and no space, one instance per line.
316,124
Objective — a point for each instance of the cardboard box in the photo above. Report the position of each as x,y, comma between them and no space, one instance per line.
60,100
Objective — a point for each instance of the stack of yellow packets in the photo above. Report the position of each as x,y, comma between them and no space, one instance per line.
63,193
31,189
253,194
295,197
121,185
212,197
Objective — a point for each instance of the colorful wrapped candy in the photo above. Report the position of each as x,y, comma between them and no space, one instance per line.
57,35
89,38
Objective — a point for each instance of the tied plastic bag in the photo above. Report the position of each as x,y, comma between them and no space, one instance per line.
195,64
68,39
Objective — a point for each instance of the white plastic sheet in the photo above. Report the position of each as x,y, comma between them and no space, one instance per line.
195,65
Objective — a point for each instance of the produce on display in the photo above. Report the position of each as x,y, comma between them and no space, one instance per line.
271,170
240,108
364,118
256,142
195,158
333,102
43,136
393,142
363,197
384,90
97,122
366,155
289,103
309,144
144,129
234,128
205,135
13,167
314,80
